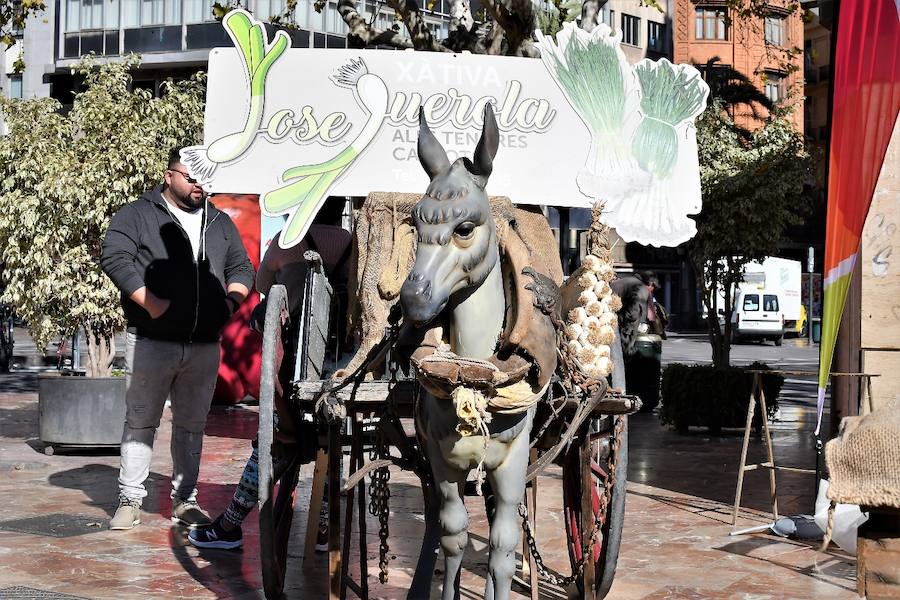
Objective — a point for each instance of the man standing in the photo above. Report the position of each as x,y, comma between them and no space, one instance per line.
183,271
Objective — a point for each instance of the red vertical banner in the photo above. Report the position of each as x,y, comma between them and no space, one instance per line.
239,368
866,101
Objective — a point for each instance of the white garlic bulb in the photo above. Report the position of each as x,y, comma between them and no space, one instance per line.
592,263
589,327
586,297
574,331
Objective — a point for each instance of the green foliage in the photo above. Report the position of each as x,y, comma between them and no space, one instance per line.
752,191
63,177
706,396
13,14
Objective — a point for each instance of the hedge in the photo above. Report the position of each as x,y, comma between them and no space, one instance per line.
705,396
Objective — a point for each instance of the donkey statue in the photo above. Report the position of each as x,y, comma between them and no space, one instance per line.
486,350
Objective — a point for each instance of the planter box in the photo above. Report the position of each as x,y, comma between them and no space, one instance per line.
81,411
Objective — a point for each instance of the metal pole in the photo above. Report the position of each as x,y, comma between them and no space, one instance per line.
564,251
76,351
809,301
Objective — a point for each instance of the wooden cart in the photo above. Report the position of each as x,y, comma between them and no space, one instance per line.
587,436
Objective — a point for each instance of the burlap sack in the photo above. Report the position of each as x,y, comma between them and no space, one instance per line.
384,252
864,460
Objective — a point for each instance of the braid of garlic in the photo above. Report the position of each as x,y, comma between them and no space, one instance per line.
590,325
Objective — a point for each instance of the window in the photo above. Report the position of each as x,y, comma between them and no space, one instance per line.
631,30
775,31
770,303
301,13
15,86
751,302
198,11
91,15
146,13
656,36
606,16
265,9
710,24
774,87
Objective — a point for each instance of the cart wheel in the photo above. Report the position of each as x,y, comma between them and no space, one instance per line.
602,569
49,450
274,516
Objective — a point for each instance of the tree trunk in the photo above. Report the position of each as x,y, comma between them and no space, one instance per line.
517,19
725,352
590,14
101,351
463,32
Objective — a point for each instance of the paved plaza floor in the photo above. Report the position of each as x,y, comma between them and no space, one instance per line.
54,510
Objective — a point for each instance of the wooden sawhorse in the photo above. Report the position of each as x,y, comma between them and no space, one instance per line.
770,463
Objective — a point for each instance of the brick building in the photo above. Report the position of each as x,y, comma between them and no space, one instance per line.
756,47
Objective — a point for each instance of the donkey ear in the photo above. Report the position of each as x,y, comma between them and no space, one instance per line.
431,153
483,161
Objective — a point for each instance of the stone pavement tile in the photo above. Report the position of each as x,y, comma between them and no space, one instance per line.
675,542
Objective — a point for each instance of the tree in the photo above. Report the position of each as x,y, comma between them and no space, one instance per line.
63,176
752,191
502,27
13,14
734,91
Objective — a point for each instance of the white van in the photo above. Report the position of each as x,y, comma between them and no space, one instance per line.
757,315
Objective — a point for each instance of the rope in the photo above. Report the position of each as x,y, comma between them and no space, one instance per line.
829,529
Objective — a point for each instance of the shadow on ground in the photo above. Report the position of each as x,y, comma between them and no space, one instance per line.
706,466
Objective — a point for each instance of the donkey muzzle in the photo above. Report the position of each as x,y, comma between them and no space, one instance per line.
427,290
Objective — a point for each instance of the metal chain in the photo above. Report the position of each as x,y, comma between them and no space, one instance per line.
379,490
596,536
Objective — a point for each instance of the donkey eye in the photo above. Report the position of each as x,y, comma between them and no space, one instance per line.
464,230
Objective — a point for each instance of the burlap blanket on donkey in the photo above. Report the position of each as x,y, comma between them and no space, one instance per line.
864,460
385,246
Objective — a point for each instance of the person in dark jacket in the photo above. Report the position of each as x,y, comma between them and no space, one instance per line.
288,267
183,271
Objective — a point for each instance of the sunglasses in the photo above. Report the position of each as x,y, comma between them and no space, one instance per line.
186,176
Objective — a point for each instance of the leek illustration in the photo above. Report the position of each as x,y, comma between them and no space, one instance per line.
307,185
596,79
257,56
670,96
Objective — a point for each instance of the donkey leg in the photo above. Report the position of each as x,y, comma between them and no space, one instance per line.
508,482
454,519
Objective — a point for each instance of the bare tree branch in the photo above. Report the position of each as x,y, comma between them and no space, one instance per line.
590,13
517,19
364,34
464,31
415,25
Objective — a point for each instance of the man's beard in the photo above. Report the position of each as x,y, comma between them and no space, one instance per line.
189,201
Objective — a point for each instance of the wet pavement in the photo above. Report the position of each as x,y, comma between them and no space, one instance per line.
54,510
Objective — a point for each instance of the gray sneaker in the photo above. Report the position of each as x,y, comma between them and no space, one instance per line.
189,514
127,515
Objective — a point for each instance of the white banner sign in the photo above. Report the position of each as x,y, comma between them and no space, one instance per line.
297,125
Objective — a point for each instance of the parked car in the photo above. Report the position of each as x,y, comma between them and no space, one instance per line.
757,315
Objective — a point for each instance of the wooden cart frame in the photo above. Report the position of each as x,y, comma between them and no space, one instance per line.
590,456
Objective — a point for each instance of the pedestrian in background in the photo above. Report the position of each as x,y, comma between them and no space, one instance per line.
183,271
288,267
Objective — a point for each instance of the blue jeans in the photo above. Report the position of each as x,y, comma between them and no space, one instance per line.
156,370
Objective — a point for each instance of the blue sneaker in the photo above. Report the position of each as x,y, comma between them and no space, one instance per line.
215,536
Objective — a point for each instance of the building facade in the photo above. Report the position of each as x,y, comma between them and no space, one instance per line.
758,47
173,37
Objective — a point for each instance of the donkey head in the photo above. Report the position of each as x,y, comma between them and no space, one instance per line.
457,243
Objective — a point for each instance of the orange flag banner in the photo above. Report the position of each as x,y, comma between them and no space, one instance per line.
866,101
